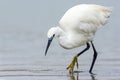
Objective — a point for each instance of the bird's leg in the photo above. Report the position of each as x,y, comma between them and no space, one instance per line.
94,58
75,59
72,64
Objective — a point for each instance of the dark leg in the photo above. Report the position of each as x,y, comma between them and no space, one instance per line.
88,46
94,57
75,59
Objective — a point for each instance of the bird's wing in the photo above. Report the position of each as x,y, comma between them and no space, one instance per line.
85,17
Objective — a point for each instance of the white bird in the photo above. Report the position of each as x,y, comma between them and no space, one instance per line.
77,27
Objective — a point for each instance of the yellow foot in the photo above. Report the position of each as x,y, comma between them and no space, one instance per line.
72,64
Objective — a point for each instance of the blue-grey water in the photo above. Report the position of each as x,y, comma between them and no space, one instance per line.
23,28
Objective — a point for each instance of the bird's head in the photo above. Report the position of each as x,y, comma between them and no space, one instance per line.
51,34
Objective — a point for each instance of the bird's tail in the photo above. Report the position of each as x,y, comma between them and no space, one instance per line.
106,11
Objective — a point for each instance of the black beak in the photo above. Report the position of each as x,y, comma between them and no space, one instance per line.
48,44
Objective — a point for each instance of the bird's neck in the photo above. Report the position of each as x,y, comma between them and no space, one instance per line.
62,37
59,32
65,40
69,40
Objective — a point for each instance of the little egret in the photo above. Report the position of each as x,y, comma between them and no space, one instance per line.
77,27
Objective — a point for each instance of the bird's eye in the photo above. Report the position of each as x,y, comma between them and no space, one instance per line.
53,35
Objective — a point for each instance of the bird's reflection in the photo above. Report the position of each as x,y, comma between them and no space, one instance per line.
93,77
75,76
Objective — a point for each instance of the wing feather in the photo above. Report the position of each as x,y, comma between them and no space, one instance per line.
85,17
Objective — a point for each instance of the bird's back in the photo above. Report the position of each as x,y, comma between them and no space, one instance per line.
85,17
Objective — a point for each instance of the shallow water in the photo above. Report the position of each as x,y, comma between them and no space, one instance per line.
53,67
22,57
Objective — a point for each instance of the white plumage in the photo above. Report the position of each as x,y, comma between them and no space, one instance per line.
85,14
78,26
